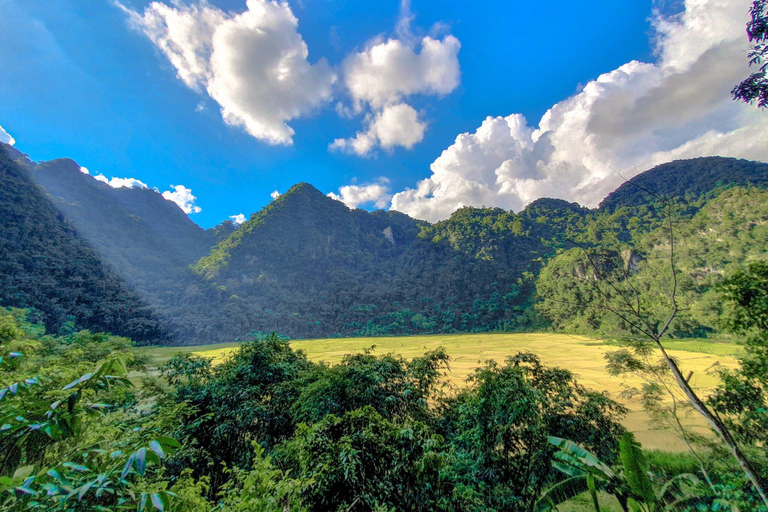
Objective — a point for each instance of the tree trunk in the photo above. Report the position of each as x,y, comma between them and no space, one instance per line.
716,424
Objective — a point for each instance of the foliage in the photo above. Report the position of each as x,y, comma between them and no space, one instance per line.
59,449
501,442
755,87
264,488
742,398
631,483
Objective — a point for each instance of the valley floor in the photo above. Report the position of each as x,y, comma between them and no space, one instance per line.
584,356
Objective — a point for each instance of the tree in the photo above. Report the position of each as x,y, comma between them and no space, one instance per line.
755,87
645,313
742,398
499,427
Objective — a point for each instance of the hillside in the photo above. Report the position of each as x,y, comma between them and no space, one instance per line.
149,241
309,266
45,265
724,233
687,179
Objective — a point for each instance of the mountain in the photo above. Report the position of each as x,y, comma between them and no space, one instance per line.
136,214
46,265
307,265
712,240
148,240
687,178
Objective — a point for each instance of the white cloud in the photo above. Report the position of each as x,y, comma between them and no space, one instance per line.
378,194
395,125
387,72
238,219
120,182
183,197
85,170
629,119
254,64
275,194
6,138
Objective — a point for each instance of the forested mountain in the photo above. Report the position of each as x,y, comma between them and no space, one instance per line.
45,265
149,241
687,179
713,238
306,265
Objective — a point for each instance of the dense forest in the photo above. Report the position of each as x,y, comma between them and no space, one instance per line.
308,266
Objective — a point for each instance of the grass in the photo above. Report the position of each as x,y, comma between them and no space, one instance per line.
584,356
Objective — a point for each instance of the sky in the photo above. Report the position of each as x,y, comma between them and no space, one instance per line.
420,106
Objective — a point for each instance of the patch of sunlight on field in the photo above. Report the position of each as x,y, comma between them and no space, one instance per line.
584,356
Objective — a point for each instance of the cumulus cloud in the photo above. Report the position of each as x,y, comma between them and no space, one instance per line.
238,219
6,138
388,71
84,170
378,194
119,182
275,194
183,197
629,119
254,64
394,125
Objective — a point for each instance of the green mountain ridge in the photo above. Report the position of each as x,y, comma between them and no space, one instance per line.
308,266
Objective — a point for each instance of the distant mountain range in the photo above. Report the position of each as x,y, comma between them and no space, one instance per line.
305,265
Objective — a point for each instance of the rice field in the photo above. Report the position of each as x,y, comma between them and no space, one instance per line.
584,356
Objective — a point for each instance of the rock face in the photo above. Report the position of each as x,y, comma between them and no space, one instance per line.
389,235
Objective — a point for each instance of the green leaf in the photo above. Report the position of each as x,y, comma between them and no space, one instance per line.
127,467
560,493
636,469
23,472
573,454
78,381
75,467
168,442
82,490
141,460
593,492
157,502
155,446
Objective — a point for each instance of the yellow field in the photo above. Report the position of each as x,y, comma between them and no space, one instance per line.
581,355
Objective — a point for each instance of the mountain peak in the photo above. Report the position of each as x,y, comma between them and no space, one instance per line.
692,177
302,188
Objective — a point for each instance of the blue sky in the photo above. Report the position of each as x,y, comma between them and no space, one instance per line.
84,80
